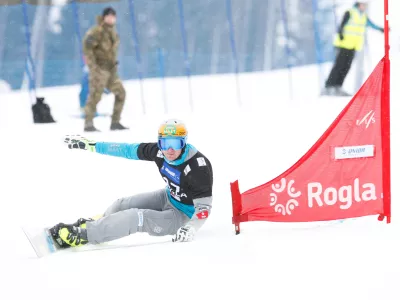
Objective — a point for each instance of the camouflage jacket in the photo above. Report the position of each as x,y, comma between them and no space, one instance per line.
100,46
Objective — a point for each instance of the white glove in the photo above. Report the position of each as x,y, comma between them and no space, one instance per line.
79,142
184,234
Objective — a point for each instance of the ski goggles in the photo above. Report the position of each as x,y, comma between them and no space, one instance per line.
174,143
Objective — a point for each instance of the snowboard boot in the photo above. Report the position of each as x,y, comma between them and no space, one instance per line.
72,236
117,126
82,222
56,237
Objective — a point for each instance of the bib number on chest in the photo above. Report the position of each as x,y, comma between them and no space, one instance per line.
172,178
175,190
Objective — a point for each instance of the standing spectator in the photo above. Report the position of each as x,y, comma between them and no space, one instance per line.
348,40
100,46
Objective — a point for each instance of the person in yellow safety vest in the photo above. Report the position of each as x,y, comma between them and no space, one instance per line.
348,40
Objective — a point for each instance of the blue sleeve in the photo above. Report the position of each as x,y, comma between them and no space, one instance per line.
123,150
373,25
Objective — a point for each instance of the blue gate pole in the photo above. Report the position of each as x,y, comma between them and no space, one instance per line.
185,51
335,5
29,65
75,9
233,48
317,39
84,71
137,53
287,49
160,55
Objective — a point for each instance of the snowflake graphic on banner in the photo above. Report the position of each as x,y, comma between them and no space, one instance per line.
291,204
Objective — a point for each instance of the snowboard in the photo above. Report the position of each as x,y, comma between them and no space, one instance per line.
44,245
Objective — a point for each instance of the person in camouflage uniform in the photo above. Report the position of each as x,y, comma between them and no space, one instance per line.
100,47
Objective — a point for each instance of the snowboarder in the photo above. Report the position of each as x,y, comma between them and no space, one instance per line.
179,209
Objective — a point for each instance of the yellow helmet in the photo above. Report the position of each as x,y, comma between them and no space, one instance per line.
172,129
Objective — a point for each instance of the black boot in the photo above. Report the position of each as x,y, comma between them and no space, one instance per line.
89,127
117,126
340,92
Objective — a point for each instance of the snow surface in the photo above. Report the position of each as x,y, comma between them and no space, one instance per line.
43,183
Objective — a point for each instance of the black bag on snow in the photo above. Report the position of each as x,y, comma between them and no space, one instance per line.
41,112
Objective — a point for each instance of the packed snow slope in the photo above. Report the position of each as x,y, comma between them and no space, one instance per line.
42,183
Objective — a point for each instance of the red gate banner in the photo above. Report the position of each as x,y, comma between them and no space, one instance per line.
340,177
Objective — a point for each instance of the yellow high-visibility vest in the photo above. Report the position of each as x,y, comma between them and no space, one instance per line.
353,31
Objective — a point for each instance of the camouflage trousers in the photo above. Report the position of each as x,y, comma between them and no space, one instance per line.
98,80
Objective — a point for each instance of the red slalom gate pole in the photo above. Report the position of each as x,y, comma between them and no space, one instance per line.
385,119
